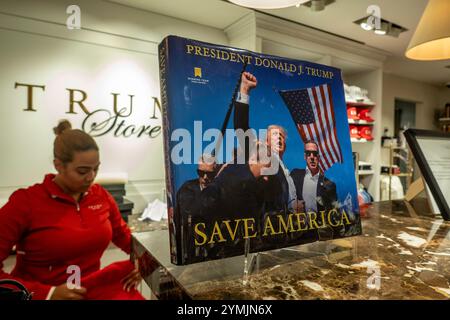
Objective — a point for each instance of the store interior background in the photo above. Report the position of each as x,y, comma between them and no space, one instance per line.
115,51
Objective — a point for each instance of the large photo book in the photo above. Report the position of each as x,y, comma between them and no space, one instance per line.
257,151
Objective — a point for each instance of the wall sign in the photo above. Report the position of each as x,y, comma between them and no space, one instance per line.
100,121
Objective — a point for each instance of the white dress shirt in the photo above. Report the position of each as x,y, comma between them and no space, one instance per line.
291,185
310,191
243,98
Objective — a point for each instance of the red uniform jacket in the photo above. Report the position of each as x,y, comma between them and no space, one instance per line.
52,231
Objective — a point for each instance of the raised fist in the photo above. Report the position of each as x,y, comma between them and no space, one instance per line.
248,82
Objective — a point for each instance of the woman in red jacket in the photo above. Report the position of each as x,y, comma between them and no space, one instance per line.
62,226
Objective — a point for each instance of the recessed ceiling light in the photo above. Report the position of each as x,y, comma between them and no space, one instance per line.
268,4
384,26
387,28
366,26
318,5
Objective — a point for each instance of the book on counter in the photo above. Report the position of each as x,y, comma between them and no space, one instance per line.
257,151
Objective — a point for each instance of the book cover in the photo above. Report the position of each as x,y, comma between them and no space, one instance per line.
257,151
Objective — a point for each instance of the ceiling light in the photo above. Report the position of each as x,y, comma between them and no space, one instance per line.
317,5
431,41
383,29
387,28
268,4
366,26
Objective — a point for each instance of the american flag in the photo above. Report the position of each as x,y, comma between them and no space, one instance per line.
313,113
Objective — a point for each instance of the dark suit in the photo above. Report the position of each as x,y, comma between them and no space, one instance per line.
276,193
326,190
234,194
326,199
186,207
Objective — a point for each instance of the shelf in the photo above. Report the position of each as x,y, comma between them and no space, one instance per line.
360,140
365,172
361,122
395,148
398,174
360,104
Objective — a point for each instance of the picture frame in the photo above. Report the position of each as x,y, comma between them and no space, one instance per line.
423,144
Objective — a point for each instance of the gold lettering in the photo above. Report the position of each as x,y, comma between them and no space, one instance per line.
312,219
329,218
288,227
72,101
322,214
225,55
268,224
344,215
247,228
118,112
299,223
156,104
29,93
227,224
292,68
200,233
189,48
273,64
217,232
213,53
320,73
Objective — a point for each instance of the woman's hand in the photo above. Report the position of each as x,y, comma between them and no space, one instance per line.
62,292
132,280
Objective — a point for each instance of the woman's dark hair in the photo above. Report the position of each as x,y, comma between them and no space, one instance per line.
68,141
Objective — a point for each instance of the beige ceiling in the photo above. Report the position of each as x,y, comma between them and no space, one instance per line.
337,18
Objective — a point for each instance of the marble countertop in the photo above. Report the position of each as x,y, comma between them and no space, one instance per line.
403,253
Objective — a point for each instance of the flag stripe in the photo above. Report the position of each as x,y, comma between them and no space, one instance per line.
325,109
331,110
301,131
317,135
332,126
313,113
323,124
309,133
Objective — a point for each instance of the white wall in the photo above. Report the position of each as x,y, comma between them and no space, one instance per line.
114,52
370,151
425,95
428,99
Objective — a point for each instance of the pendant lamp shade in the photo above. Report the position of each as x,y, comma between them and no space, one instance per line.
431,40
268,4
